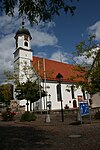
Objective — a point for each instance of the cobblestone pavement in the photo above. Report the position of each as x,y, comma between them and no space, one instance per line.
56,135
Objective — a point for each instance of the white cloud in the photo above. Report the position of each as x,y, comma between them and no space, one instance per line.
42,34
41,54
92,30
6,54
83,61
60,56
43,39
57,56
95,29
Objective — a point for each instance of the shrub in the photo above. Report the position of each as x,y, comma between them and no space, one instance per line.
27,116
97,115
8,115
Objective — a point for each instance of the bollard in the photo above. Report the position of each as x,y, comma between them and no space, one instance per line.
47,118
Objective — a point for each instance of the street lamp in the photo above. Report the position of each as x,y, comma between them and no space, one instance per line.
59,77
49,97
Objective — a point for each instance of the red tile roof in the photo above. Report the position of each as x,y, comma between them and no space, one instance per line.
52,68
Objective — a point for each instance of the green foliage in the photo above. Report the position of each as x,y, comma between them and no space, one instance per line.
38,10
95,80
29,91
91,73
6,93
85,48
8,115
28,116
1,96
97,115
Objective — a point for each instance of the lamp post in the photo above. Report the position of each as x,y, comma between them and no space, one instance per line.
49,97
59,77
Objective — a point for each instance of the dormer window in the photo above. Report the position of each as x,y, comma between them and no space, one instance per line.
26,43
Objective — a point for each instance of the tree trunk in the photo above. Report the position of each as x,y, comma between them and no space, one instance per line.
30,106
27,105
33,106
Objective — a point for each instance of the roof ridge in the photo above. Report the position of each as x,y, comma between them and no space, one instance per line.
53,60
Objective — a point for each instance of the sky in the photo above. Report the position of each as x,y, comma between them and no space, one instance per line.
54,40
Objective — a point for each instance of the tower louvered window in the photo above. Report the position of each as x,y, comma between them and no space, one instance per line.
26,43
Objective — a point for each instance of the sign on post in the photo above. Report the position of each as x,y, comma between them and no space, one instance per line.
84,108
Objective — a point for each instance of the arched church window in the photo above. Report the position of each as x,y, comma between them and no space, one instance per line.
26,43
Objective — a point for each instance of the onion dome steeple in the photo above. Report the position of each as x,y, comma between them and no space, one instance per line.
23,31
23,38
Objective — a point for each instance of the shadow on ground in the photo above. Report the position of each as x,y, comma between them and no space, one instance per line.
23,138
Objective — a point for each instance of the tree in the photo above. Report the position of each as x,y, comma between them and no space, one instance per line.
89,50
6,93
37,10
29,91
1,96
27,72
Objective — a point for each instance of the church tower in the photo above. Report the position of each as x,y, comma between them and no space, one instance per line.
23,52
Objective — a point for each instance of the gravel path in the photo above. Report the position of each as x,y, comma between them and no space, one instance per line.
56,135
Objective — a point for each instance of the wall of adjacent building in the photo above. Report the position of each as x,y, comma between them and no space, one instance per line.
96,100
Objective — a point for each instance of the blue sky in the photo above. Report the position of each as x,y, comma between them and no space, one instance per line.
54,40
70,30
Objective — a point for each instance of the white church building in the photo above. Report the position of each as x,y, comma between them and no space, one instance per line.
46,71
